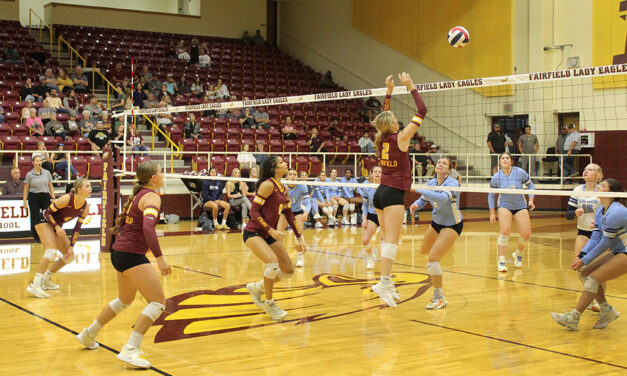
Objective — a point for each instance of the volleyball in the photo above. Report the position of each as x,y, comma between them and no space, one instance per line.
458,36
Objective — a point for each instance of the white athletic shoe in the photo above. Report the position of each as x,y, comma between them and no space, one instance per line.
569,319
300,259
331,221
37,290
502,267
353,219
385,294
345,221
49,285
274,311
370,262
133,355
517,260
318,225
608,314
87,339
394,293
437,303
317,216
255,293
594,306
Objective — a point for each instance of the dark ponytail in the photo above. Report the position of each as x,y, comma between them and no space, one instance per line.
616,186
268,169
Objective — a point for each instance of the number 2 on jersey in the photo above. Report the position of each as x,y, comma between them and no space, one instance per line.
385,151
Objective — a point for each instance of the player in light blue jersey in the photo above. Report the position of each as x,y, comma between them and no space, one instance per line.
370,221
352,195
311,202
298,194
445,227
333,195
597,266
320,194
583,208
511,206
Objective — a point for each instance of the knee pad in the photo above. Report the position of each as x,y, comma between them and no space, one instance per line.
503,240
523,242
68,258
346,207
434,268
272,269
335,208
50,254
351,207
117,306
153,310
591,285
284,276
388,250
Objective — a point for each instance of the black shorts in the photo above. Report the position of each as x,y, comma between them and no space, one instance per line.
457,227
125,260
387,196
587,234
249,234
297,212
514,211
40,219
373,218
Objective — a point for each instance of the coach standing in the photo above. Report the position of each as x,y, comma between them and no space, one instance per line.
496,144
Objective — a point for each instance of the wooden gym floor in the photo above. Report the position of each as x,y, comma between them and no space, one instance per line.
494,324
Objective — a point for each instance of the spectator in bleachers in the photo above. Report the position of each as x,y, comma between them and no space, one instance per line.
154,85
287,129
94,107
106,120
60,163
45,111
366,144
247,120
371,109
42,152
211,91
208,112
260,155
151,101
139,96
247,39
163,92
245,158
135,140
55,102
258,38
117,73
183,86
204,60
234,113
64,82
222,112
196,88
99,137
433,154
167,99
72,126
170,52
29,92
315,142
70,101
142,81
1,114
87,123
38,55
11,55
236,194
55,128
262,118
221,90
335,130
192,127
181,52
170,85
253,173
25,111
164,120
50,80
326,81
42,90
146,73
193,51
80,80
14,185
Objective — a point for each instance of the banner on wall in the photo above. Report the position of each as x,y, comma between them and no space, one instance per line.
14,216
609,39
14,259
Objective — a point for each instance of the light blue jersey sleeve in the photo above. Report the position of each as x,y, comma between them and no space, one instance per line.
319,192
420,203
611,228
494,183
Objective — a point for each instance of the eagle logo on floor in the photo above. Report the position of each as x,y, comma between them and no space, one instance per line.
229,309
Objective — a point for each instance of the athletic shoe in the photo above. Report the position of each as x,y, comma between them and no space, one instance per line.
38,291
437,303
370,262
353,219
345,221
608,314
318,225
225,227
300,259
502,267
317,216
517,260
87,339
274,311
331,221
133,355
49,285
385,294
255,293
594,306
394,293
569,319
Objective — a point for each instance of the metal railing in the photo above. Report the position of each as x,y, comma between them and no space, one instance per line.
154,131
41,23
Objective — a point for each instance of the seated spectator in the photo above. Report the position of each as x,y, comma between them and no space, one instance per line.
246,120
99,137
335,131
326,81
72,126
258,38
164,120
42,152
221,112
212,199
29,92
170,52
246,159
135,141
207,113
64,82
211,91
260,155
80,80
192,127
45,111
433,154
1,114
366,144
61,164
247,39
55,102
55,128
181,52
146,73
94,107
154,85
196,88
287,130
139,96
151,101
104,117
142,81
170,85
221,90
193,52
183,86
373,104
118,74
25,111
420,160
50,80
70,102
262,118
204,60
315,142
236,194
87,123
163,92
42,90
13,186
11,55
38,55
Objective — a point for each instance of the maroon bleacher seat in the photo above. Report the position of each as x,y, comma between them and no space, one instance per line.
95,166
231,163
25,164
217,161
302,163
19,129
28,142
188,145
315,166
199,162
80,164
203,144
233,145
218,144
82,143
289,146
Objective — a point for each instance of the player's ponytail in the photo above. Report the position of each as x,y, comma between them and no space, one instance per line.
383,123
268,169
145,171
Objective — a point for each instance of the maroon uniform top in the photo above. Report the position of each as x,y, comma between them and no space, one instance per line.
135,237
395,166
66,214
270,211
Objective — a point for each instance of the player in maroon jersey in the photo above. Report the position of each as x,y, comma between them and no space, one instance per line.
53,238
263,238
389,199
135,235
